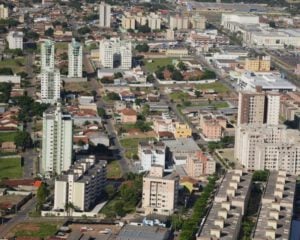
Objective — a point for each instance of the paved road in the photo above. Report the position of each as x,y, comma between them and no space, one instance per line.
21,216
125,164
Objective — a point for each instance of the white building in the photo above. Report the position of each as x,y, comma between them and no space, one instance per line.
104,15
273,108
47,55
152,154
15,40
116,53
179,22
81,185
75,59
57,142
3,12
50,86
238,18
271,147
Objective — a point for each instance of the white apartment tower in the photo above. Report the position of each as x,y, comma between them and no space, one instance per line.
75,59
81,185
57,141
3,12
15,40
116,53
47,55
104,15
273,108
50,86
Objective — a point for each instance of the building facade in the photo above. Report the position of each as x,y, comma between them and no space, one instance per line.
116,53
160,192
272,147
57,142
152,154
3,12
104,15
258,64
75,59
15,40
81,186
50,86
47,55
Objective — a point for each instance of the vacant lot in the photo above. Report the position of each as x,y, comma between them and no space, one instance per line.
131,145
10,167
114,169
83,87
7,136
17,65
152,66
217,86
42,230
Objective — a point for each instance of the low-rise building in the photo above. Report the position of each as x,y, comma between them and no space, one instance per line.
128,115
258,64
160,191
133,232
276,212
212,126
182,130
200,164
229,205
152,154
80,186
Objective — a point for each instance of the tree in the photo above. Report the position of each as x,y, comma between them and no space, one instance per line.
142,47
150,78
118,75
41,195
110,190
49,32
119,208
197,93
101,112
143,29
6,71
23,140
181,66
177,76
32,35
84,30
113,96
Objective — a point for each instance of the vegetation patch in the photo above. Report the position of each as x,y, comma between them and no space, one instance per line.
10,167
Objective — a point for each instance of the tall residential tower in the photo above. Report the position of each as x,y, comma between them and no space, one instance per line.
75,59
57,141
104,15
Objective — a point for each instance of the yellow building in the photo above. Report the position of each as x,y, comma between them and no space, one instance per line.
258,64
128,22
182,130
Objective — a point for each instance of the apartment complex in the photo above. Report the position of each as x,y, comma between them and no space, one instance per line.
128,22
258,64
116,53
200,164
276,212
182,130
82,185
152,154
272,147
258,108
57,141
50,86
47,55
15,40
225,217
179,22
154,21
160,191
3,12
75,59
212,126
104,15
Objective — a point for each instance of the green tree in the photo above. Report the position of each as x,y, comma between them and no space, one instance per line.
101,112
142,47
84,30
113,96
181,66
119,208
177,76
144,28
23,140
41,195
110,190
6,71
49,32
118,75
197,93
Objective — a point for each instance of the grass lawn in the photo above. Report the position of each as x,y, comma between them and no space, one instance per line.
80,87
152,66
17,65
41,230
61,45
114,169
217,86
7,136
10,167
219,105
179,96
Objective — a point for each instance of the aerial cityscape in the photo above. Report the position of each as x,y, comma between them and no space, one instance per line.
150,119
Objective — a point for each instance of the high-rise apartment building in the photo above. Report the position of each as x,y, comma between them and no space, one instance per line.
154,22
15,40
75,59
128,22
50,86
258,64
3,12
179,22
104,15
116,53
160,191
47,55
272,147
57,141
198,22
258,108
82,185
